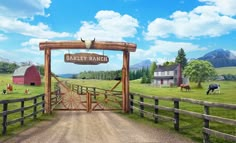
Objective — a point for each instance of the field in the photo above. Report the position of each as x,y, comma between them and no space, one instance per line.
19,92
226,70
189,126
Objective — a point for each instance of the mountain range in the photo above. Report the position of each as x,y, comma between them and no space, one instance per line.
142,64
220,58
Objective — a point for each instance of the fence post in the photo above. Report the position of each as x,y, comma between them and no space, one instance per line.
43,105
22,112
4,118
141,106
206,137
156,109
81,90
94,93
176,115
77,89
131,103
35,108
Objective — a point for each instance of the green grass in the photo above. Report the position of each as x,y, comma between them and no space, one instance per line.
189,126
226,70
18,92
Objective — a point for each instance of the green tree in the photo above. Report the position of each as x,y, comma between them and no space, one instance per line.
181,58
199,71
152,69
167,63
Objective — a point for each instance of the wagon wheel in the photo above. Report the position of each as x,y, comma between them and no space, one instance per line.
71,100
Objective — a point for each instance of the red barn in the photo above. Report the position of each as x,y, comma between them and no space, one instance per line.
27,75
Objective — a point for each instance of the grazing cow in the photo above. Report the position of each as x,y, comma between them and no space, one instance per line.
212,88
185,86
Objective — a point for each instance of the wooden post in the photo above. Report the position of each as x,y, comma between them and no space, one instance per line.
125,82
89,103
131,103
77,89
47,76
81,90
141,99
156,109
22,112
43,105
4,118
123,89
206,137
35,108
94,93
176,115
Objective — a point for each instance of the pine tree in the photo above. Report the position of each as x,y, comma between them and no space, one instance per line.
181,58
152,69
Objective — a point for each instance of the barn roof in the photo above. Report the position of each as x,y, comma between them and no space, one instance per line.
21,71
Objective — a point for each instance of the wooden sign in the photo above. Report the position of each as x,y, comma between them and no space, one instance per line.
86,58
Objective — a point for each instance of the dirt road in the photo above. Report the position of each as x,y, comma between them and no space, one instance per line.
95,127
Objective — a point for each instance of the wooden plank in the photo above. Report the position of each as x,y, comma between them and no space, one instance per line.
209,104
97,45
219,134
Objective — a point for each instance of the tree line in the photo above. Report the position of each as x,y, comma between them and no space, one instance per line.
9,68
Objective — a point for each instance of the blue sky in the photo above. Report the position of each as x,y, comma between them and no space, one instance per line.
158,27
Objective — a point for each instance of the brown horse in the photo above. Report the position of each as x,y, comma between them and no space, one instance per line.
185,86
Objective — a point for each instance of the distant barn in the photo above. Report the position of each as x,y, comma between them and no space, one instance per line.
26,75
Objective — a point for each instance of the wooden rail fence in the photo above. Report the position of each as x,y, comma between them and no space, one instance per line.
95,92
37,107
206,117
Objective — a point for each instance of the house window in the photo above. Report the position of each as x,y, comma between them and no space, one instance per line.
162,73
168,72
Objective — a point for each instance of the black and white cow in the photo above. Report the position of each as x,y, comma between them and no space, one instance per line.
213,87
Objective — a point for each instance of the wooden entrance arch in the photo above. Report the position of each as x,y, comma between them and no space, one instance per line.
96,45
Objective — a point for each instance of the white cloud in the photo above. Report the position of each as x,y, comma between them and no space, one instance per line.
14,15
3,37
110,26
40,31
233,51
165,48
32,46
213,19
23,8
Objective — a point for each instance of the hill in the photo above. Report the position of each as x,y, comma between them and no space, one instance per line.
220,58
142,64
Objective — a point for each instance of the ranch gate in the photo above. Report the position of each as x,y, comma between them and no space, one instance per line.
93,45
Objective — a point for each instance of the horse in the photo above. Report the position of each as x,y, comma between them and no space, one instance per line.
185,86
213,87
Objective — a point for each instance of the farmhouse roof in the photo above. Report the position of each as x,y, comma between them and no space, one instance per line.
21,71
166,68
164,77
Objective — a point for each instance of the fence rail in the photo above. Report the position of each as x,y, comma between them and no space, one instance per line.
206,117
37,107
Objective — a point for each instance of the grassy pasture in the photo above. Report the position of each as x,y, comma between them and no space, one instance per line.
189,126
226,70
18,92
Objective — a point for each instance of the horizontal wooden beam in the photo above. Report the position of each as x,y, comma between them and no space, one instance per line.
97,45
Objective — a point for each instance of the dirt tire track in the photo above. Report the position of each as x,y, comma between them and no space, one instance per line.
95,127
